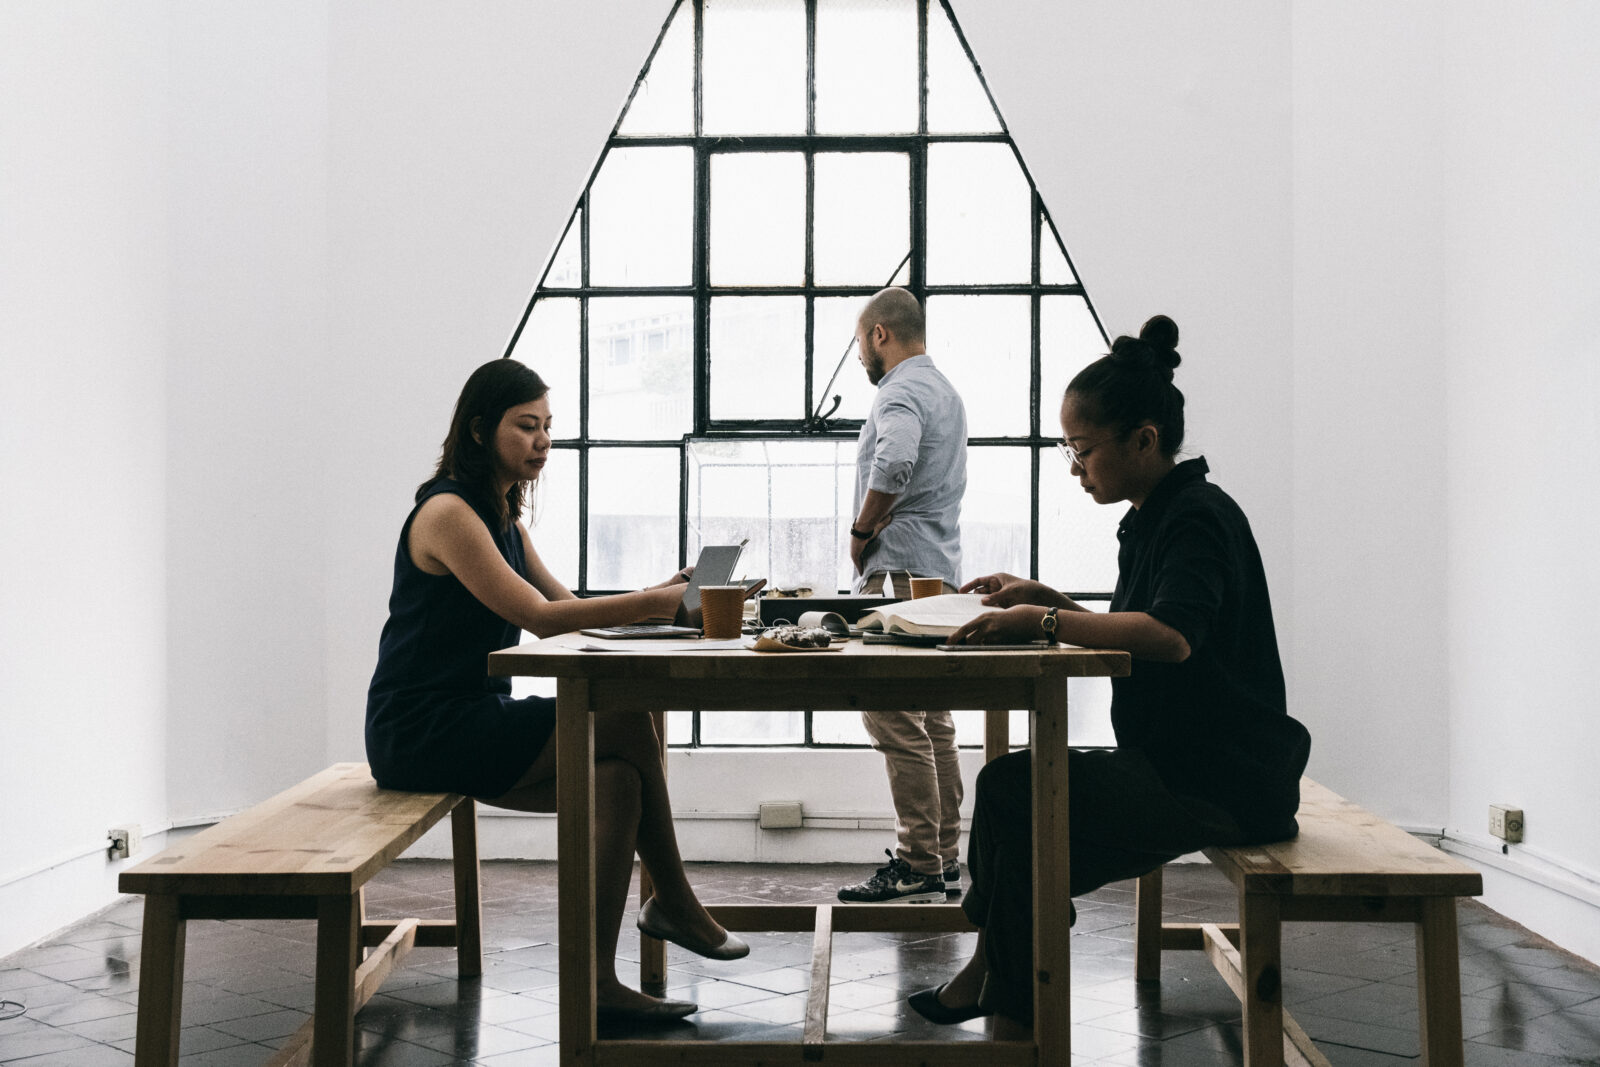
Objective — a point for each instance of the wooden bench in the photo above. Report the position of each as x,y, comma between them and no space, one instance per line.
307,853
1346,865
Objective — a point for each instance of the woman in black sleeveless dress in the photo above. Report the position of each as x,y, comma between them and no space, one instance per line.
466,581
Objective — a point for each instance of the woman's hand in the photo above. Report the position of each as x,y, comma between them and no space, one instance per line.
1007,590
680,578
1014,626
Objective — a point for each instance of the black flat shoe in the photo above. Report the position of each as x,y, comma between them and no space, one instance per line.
927,1004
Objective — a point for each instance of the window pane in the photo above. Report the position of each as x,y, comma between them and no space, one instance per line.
754,67
983,345
1069,340
997,512
641,209
549,344
832,331
866,66
957,102
633,516
758,357
553,522
566,268
680,727
863,216
664,102
1053,266
758,218
1077,537
752,727
641,367
838,728
980,215
791,498
1089,724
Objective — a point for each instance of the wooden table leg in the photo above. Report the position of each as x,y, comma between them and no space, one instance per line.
160,982
333,1040
1260,959
1439,983
653,952
469,892
575,868
1052,874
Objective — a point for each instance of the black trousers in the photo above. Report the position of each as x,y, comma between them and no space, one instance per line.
1124,823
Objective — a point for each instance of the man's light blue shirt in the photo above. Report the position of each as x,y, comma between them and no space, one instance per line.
914,445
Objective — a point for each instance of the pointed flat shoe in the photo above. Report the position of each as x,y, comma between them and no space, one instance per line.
926,1003
658,1013
657,925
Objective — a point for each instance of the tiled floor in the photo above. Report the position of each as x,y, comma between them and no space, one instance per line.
1525,1003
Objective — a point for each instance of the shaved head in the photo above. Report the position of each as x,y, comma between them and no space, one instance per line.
898,312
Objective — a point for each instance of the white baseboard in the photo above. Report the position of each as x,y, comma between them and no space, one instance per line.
1550,898
37,903
1554,900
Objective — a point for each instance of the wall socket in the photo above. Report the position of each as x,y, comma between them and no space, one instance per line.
1505,823
782,815
124,841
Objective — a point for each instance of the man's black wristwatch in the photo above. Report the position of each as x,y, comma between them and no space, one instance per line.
1048,625
860,535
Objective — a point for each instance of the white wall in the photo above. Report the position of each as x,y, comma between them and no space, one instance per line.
1368,408
1522,253
84,268
350,203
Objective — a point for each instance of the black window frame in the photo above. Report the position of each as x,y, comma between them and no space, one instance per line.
915,146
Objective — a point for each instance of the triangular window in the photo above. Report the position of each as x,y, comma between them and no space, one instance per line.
777,162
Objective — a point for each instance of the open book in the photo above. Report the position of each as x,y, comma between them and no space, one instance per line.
932,616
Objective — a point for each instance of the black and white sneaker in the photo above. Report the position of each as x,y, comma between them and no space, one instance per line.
896,883
952,878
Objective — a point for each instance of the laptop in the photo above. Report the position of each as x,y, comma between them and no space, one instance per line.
714,567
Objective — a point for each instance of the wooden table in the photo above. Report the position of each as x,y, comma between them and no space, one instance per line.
876,677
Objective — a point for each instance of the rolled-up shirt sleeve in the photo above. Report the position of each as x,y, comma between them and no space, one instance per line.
1192,580
895,457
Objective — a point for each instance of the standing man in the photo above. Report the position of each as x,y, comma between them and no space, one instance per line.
911,473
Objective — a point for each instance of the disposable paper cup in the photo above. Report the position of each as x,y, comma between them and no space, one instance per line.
921,587
721,611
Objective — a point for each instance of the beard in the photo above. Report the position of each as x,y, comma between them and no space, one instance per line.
872,360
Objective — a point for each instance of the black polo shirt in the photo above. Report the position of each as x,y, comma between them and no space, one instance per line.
1216,726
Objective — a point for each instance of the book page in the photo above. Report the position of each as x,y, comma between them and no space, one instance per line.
940,615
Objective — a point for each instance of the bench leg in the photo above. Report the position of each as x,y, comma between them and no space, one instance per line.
1439,983
1147,928
160,983
338,952
1260,952
469,906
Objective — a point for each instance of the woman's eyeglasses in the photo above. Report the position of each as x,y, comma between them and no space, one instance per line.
1076,456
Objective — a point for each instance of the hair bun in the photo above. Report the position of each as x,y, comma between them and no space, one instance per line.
1161,333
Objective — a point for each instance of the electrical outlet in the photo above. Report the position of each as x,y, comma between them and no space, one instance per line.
124,840
1505,823
781,815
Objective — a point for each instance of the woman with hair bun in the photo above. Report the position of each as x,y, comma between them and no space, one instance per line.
1206,754
466,581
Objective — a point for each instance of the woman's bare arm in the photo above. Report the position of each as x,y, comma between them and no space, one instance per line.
447,536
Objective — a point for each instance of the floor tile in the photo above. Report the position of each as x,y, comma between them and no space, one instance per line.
1526,1003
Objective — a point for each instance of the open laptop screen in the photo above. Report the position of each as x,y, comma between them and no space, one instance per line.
714,567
